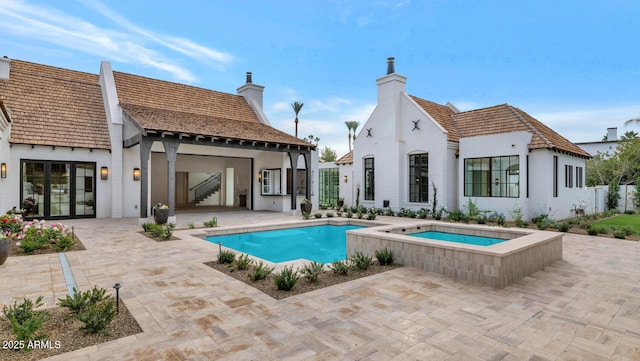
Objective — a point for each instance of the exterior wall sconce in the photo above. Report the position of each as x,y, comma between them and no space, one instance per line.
346,178
497,181
104,173
136,174
3,170
260,177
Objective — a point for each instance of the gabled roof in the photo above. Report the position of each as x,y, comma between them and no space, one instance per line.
54,106
495,120
441,114
161,106
346,159
505,118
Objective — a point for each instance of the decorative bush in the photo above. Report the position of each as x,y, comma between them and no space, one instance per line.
329,214
318,215
371,215
162,231
38,235
361,261
226,257
340,267
564,226
312,271
243,262
81,300
286,279
211,223
306,215
618,233
259,272
11,225
25,320
97,316
385,256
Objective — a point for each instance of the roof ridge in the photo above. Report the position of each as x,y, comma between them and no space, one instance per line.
530,126
176,83
455,125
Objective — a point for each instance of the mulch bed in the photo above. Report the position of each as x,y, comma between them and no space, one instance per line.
64,334
303,285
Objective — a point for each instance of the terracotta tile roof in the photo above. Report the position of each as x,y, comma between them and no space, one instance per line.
346,159
54,106
504,119
153,93
441,114
199,124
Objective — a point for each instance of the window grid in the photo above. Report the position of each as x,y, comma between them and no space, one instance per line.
492,177
419,177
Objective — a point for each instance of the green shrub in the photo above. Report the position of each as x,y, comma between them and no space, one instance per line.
628,230
243,262
338,213
226,257
329,214
618,233
385,256
349,214
81,300
286,279
145,227
630,211
340,267
306,215
259,271
312,271
361,261
456,215
389,212
595,229
211,223
318,215
564,226
482,219
97,316
162,231
497,218
25,320
371,215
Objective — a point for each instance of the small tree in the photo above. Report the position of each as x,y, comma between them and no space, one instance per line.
613,196
297,106
328,155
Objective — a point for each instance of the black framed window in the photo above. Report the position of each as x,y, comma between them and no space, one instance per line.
419,177
568,176
492,177
369,176
329,186
555,176
579,175
301,187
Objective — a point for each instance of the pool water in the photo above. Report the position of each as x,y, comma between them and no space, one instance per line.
459,238
322,244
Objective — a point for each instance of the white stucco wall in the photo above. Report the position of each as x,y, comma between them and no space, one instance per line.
497,145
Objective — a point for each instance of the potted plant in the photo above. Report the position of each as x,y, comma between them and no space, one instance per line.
5,247
160,213
305,206
340,202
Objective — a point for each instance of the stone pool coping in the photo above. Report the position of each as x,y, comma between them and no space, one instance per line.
498,265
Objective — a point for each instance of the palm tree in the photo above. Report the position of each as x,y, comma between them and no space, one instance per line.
351,125
296,108
635,121
356,124
348,124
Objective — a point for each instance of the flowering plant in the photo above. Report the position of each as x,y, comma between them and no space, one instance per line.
306,201
37,235
160,205
10,225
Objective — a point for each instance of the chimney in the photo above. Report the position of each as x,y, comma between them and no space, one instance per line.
391,85
252,93
5,68
390,65
612,134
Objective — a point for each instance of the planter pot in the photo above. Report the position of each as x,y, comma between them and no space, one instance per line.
305,207
5,248
340,203
161,215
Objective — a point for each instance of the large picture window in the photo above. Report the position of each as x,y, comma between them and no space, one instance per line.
369,176
419,177
492,177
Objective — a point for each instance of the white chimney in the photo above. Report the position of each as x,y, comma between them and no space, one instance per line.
252,92
391,85
612,134
5,68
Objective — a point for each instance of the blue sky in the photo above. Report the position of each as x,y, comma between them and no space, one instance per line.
574,65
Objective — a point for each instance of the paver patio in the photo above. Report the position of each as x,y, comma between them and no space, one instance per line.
585,307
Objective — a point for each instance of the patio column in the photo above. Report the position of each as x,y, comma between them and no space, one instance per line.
307,162
145,151
293,158
171,148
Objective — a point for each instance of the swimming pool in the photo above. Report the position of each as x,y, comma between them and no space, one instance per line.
323,243
459,238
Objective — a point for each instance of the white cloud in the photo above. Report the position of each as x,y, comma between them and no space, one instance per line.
125,43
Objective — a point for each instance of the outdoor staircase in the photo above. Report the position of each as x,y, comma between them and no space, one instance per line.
206,188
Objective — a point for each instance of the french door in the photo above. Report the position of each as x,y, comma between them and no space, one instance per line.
58,189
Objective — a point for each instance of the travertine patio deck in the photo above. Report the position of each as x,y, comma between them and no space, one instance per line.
585,307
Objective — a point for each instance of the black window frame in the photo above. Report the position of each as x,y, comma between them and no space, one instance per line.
419,178
481,177
369,179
